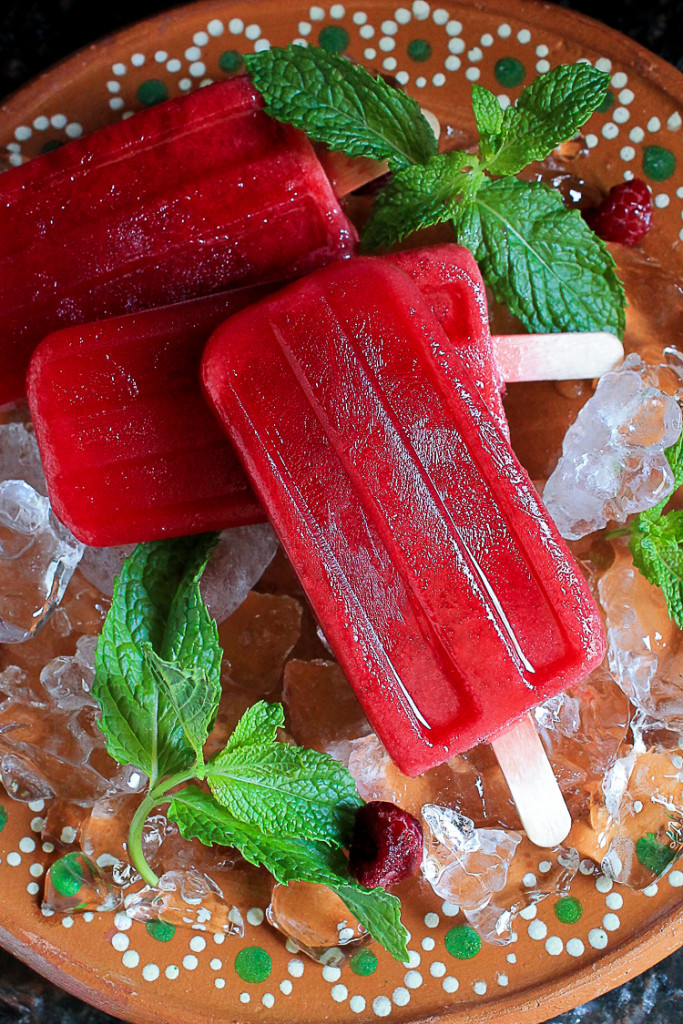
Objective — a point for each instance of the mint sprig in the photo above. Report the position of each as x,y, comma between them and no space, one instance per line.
538,257
656,542
157,682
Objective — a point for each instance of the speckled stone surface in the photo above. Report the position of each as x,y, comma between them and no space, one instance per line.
33,35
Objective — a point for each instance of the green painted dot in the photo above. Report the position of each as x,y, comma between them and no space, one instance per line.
607,103
462,942
509,71
66,874
653,855
230,61
253,964
162,931
364,963
658,163
419,50
333,38
152,91
51,145
3,817
568,910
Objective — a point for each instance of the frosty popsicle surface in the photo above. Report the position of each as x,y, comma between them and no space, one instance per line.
199,193
438,578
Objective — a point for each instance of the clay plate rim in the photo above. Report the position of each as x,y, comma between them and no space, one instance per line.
644,947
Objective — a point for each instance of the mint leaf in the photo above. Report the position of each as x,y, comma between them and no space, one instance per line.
489,116
543,260
153,592
657,549
259,724
290,859
548,112
287,790
418,197
341,104
194,696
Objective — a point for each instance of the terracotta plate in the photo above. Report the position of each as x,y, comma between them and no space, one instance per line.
436,50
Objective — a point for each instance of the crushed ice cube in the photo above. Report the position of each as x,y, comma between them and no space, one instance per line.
613,462
237,562
19,456
186,897
316,920
37,559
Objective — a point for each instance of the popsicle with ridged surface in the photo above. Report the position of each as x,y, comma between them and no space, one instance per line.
438,578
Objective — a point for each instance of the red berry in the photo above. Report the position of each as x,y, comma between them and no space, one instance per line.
386,845
624,215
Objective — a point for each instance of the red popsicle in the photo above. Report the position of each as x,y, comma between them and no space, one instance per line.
189,197
440,581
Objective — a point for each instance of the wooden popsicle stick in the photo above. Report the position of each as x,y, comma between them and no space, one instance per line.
571,356
532,782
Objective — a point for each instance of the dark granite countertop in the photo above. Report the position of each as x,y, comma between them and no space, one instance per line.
33,35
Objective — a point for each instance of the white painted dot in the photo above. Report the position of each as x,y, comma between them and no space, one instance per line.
357,1004
575,947
654,124
119,69
261,45
480,988
614,900
291,946
651,890
511,958
400,996
33,888
473,74
528,913
42,123
316,14
603,64
337,11
414,958
359,17
542,66
215,963
545,866
456,45
200,38
440,16
452,63
610,922
438,80
486,39
587,866
626,97
286,987
46,912
554,945
268,1000
255,916
675,879
193,53
387,44
252,31
529,879
37,824
597,938
150,972
523,36
190,962
437,969
413,979
504,31
453,28
113,87
13,859
636,134
677,761
428,943
219,982
197,943
236,26
172,972
402,77
619,80
305,28
381,1006
295,968
542,50
450,984
603,883
173,66
67,922
420,9
389,28
331,973
116,103
627,153
621,115
22,133
366,32
673,123
475,54
120,941
370,54
130,959
537,930
339,993
502,980
27,845
245,997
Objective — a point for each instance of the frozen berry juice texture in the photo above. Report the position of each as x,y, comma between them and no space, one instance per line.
197,194
440,581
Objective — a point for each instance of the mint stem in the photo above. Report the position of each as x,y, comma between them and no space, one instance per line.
155,797
624,531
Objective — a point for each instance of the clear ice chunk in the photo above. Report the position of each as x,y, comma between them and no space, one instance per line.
316,921
19,456
236,564
186,897
613,462
37,559
74,883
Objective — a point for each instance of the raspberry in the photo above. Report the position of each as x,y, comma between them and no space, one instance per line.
624,215
386,845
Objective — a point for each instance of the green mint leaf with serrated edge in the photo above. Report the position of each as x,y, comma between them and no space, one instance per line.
288,790
547,112
656,542
418,197
489,116
156,603
542,260
194,695
341,104
289,859
259,724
